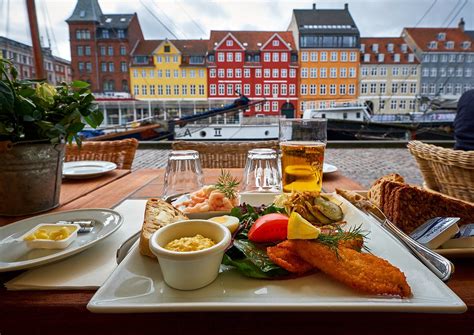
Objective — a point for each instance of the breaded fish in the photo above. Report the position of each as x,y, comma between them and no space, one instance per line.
361,271
284,255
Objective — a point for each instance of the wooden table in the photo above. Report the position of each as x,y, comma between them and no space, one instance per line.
65,311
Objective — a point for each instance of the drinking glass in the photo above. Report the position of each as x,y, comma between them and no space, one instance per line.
302,143
261,173
183,173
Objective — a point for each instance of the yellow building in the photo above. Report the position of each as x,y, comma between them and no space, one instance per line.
171,71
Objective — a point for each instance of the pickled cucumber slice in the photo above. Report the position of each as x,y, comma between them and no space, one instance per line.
328,209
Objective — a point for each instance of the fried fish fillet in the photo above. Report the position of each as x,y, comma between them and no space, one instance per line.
285,256
361,271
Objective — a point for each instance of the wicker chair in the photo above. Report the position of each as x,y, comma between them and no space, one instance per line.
121,152
223,154
445,170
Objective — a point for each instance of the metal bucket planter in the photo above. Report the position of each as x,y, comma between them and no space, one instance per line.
30,177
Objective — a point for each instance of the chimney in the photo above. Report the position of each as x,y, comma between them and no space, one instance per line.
461,24
314,6
346,6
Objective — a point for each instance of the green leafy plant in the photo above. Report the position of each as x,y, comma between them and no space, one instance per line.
33,110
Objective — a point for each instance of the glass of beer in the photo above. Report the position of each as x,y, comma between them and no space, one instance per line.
302,143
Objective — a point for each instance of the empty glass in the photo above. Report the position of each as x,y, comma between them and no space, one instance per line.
261,173
183,173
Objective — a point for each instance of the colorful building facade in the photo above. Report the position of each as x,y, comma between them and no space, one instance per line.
389,76
328,44
101,45
173,71
262,65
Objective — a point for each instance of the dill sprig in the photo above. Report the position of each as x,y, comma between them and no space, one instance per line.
227,184
332,240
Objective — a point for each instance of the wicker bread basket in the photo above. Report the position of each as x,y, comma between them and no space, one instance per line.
445,170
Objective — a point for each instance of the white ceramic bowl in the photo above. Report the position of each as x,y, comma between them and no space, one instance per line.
194,269
51,244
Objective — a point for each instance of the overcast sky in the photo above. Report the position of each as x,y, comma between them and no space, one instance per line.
195,18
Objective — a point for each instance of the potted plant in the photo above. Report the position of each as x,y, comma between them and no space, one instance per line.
36,119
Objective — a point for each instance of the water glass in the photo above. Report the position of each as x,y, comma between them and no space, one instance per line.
183,173
302,143
261,173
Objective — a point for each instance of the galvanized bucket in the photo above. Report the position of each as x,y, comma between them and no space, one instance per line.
30,177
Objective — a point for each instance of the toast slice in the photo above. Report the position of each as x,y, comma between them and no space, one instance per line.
158,213
375,193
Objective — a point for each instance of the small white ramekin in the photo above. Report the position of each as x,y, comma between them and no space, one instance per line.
194,269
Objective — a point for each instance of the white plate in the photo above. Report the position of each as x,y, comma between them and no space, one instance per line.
137,286
14,255
87,169
199,216
328,168
456,252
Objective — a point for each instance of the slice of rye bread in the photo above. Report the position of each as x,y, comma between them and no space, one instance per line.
375,191
413,206
389,197
158,213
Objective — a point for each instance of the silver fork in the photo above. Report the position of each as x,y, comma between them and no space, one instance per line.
86,224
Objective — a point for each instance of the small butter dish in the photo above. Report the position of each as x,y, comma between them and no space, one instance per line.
436,231
50,236
463,239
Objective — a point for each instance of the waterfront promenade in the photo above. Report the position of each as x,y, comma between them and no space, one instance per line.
361,164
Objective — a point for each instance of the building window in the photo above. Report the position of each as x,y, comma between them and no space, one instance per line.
143,73
402,104
304,72
292,89
275,57
160,73
152,89
363,88
324,56
80,66
275,89
275,106
432,88
313,72
229,43
230,89
413,88
275,43
266,73
433,72
323,72
373,71
247,89
275,73
136,90
123,67
342,89
175,73
212,89
230,73
459,72
230,57
168,73
87,50
160,89
353,57
103,50
238,57
364,71
266,106
322,89
258,89
332,89
144,90
373,88
284,57
382,88
393,104
221,73
220,56
88,67
403,88
266,57
176,89
105,33
192,73
266,89
201,89
258,73
352,89
120,33
184,89
168,90
333,72
212,73
283,89
395,71
80,50
292,73
304,56
343,56
247,73
352,72
333,56
110,50
394,88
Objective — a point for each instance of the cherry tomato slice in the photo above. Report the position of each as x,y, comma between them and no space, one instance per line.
269,228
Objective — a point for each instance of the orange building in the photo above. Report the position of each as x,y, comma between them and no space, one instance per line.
328,41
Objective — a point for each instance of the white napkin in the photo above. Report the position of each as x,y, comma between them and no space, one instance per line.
90,268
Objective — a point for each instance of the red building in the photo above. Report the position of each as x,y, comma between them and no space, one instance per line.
259,64
101,45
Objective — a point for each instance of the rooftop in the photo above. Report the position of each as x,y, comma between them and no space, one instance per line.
186,47
441,39
388,47
86,10
251,40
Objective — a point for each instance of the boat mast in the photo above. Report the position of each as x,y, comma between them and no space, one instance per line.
35,39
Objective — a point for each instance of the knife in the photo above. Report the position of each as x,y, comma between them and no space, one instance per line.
438,264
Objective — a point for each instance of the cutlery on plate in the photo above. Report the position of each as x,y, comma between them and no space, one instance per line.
438,264
86,224
123,250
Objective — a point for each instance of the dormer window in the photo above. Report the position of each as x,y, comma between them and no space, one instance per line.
466,44
366,57
276,43
167,48
441,36
450,45
433,45
229,43
411,58
390,47
82,13
375,47
396,58
105,33
362,47
381,58
404,48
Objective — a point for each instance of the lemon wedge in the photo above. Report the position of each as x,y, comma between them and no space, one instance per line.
300,228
